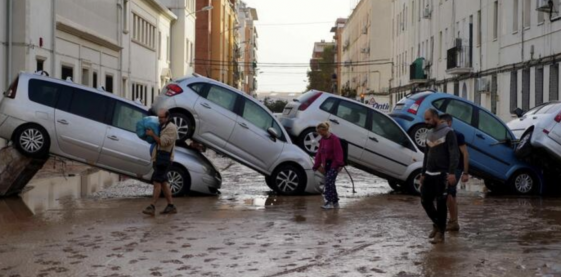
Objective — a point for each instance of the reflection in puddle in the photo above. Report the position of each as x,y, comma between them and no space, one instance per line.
47,193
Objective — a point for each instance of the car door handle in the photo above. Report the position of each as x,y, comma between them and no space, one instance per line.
480,136
244,125
334,121
373,139
113,138
206,105
63,122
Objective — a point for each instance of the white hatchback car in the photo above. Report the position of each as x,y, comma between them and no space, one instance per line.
240,127
539,128
43,115
377,144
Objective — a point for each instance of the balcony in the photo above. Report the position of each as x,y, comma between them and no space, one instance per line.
459,60
417,73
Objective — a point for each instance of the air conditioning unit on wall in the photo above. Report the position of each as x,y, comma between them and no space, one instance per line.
545,6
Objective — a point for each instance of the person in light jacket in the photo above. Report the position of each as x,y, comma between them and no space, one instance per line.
329,161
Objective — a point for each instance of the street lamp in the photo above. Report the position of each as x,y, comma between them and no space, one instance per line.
206,8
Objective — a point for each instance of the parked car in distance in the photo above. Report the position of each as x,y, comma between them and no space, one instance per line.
240,127
43,115
539,129
490,142
377,144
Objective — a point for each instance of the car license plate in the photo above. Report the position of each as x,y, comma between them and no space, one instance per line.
286,111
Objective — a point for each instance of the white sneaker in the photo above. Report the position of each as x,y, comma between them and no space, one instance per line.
327,206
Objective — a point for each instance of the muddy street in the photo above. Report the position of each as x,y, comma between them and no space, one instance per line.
62,227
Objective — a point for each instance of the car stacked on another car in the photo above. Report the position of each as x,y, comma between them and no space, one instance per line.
377,144
240,127
539,129
490,142
43,115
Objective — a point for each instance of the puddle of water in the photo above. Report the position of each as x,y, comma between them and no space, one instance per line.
46,193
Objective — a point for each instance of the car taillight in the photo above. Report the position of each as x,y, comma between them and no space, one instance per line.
558,117
310,101
173,89
13,89
415,107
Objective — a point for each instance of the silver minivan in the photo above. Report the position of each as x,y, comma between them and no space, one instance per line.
43,115
377,144
240,127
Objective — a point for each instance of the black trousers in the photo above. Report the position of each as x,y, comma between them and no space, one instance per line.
434,189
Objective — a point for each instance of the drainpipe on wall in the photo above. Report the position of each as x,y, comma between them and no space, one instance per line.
53,39
10,41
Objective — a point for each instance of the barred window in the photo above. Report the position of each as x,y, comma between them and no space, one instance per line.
144,32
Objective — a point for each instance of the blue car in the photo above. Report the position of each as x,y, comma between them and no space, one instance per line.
490,142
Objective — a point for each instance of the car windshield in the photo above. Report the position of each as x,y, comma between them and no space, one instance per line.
306,96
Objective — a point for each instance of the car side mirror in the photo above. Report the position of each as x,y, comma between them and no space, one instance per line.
273,133
518,112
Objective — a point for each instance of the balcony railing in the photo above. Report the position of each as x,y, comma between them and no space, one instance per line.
459,60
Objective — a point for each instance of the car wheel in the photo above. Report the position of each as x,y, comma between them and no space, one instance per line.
32,141
185,126
491,186
523,183
414,182
309,141
524,147
419,135
179,181
288,180
394,185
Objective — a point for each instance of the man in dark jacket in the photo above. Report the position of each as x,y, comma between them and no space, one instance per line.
439,166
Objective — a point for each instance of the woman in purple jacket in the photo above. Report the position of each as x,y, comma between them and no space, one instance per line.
329,161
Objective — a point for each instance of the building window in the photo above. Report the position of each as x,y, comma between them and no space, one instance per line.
554,82
143,32
526,89
479,27
168,49
160,45
515,16
539,86
496,20
109,83
192,53
513,90
94,80
440,46
541,18
40,64
140,93
125,16
85,76
527,13
187,51
67,71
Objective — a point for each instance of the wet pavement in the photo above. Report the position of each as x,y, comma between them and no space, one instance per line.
61,227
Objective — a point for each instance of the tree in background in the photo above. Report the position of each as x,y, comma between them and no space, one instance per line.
322,79
275,106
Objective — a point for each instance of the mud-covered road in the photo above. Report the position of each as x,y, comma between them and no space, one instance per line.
248,232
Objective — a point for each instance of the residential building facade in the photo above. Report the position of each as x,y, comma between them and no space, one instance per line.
246,49
183,35
497,53
338,38
366,52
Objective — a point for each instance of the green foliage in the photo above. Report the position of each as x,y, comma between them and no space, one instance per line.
321,79
274,106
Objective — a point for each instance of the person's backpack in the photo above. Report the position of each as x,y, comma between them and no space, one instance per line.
345,146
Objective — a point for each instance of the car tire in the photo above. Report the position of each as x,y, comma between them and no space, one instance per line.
419,134
524,147
32,141
185,125
395,185
523,183
179,181
414,183
491,186
288,180
309,141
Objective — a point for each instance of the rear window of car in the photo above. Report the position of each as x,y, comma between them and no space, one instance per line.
43,92
306,96
419,95
549,109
